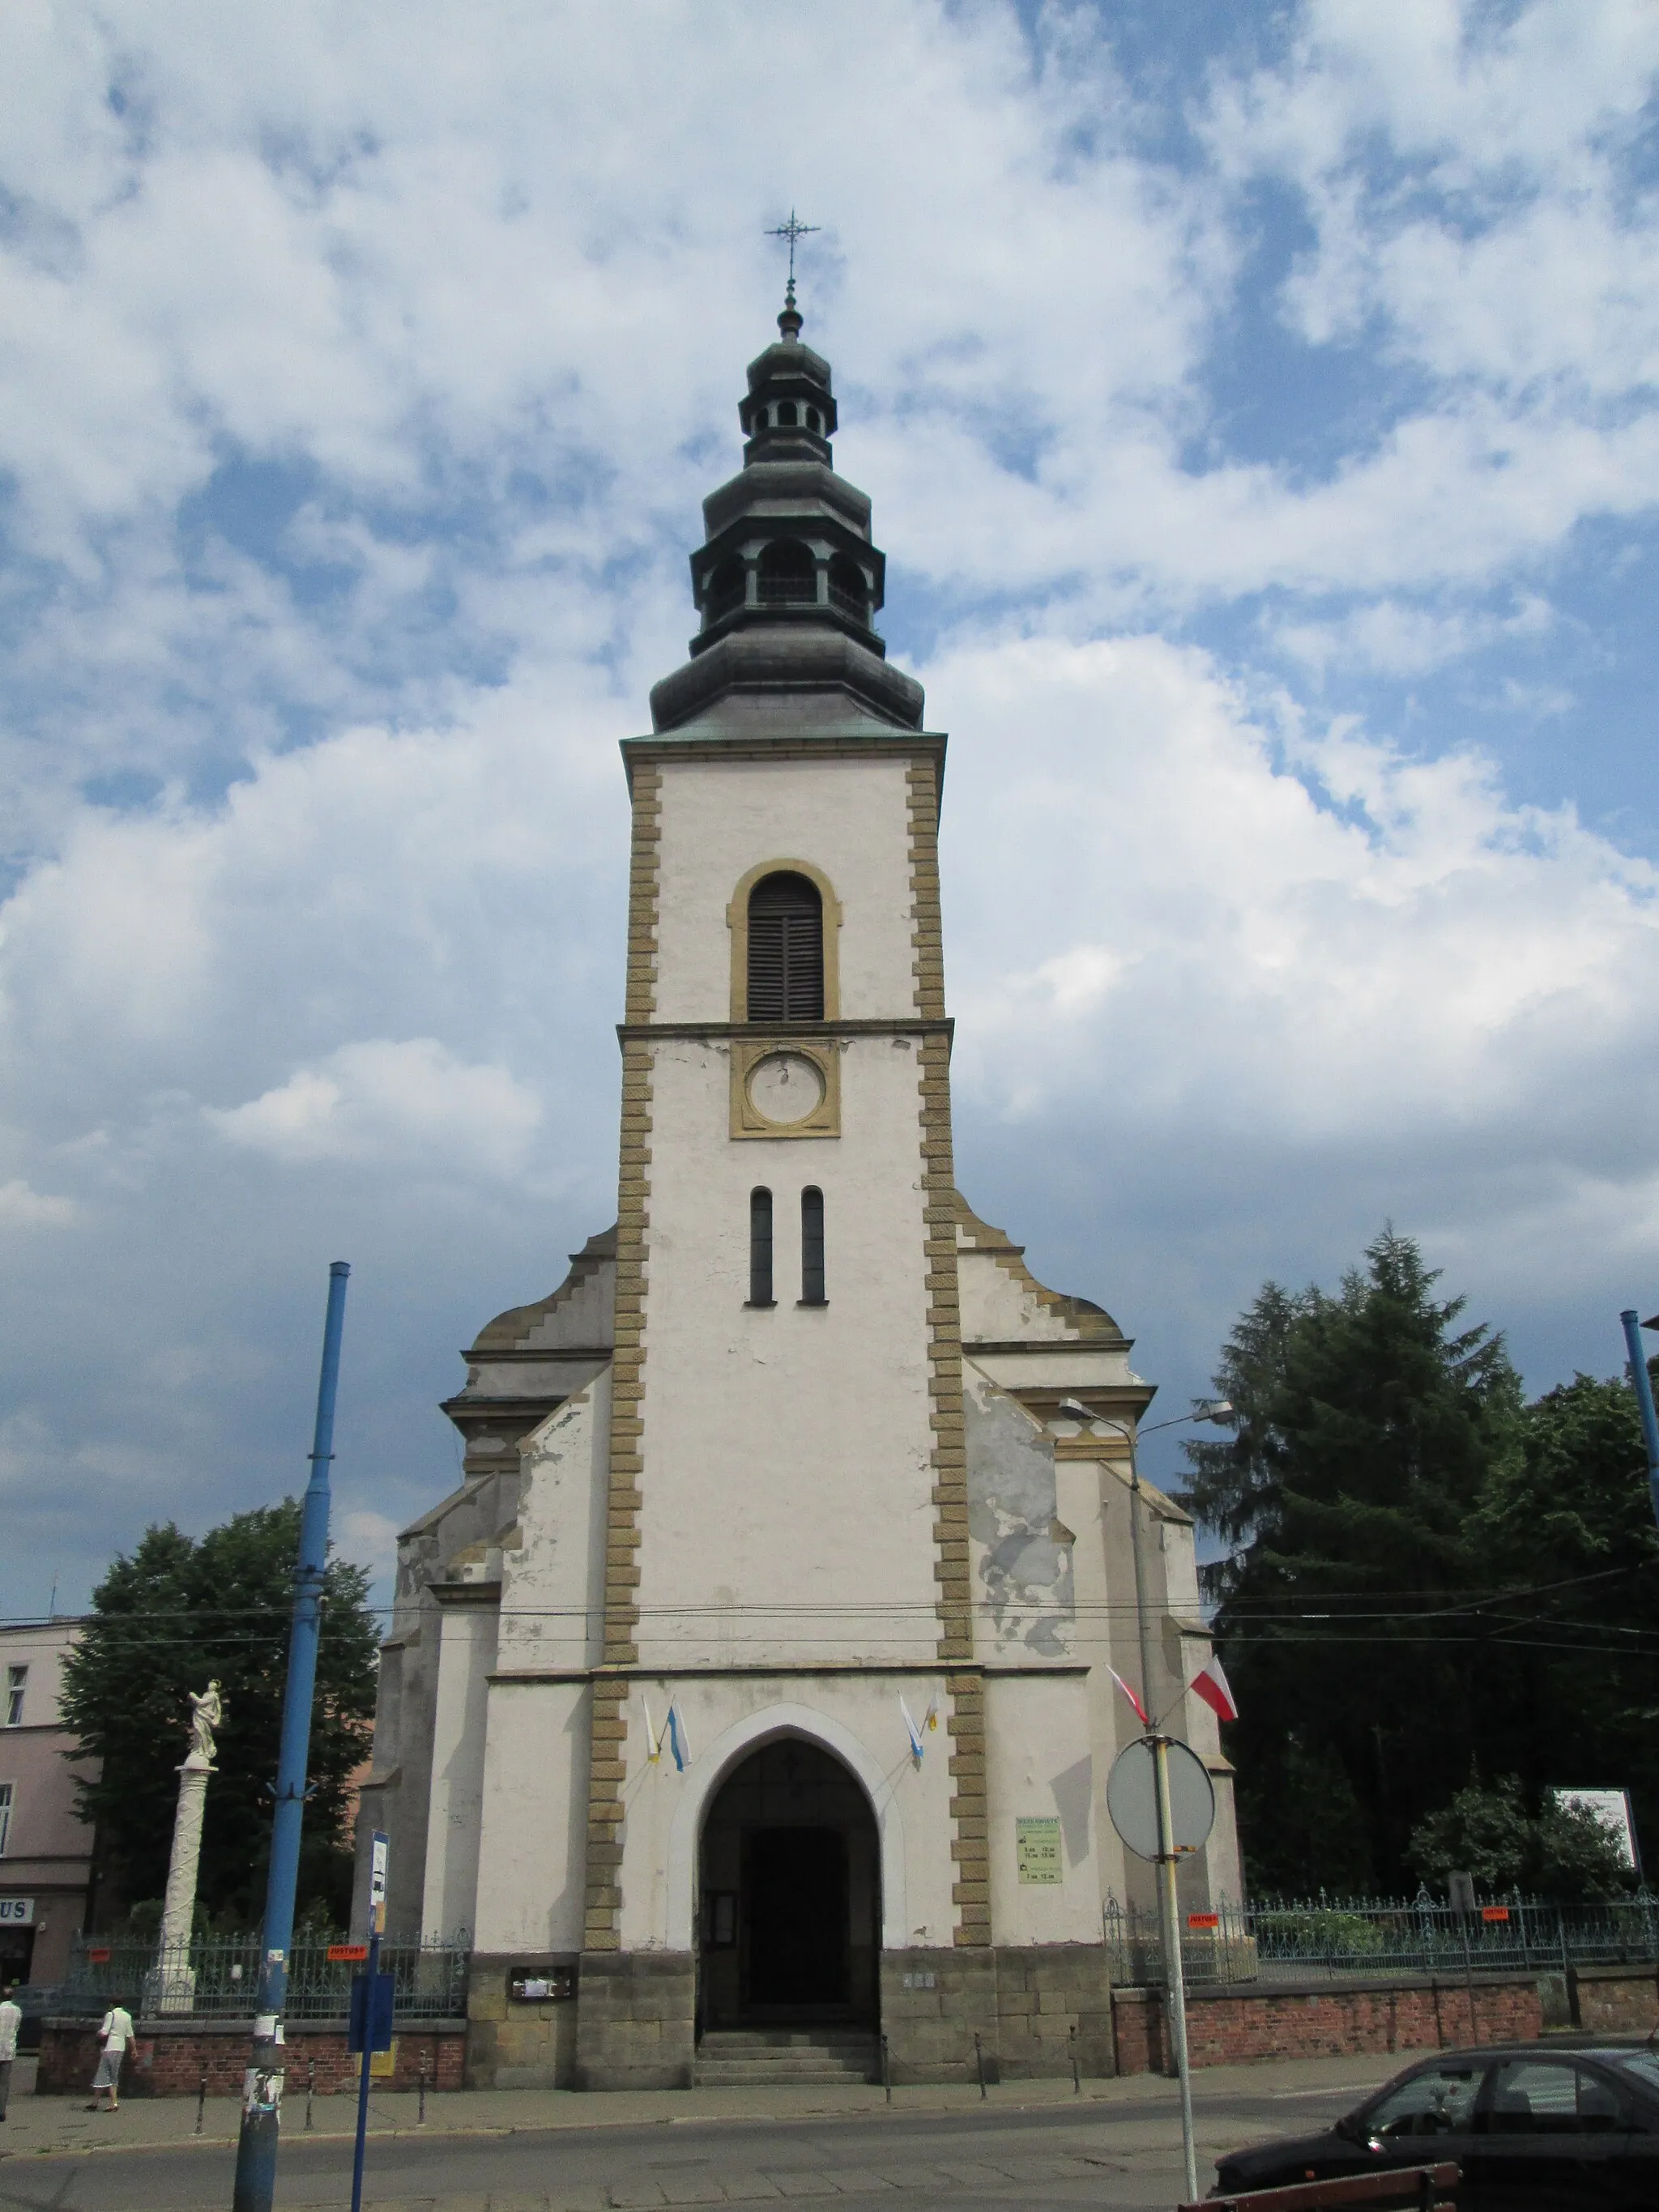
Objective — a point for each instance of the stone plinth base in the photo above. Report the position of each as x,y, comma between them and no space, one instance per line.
515,2042
635,2020
171,2057
1034,2009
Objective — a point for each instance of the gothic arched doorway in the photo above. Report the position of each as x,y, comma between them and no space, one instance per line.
789,1905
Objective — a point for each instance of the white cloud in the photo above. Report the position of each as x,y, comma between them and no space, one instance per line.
23,1208
1181,907
387,1101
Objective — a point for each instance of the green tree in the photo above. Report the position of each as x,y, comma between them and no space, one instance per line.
165,1621
1567,1695
1367,1428
1561,1852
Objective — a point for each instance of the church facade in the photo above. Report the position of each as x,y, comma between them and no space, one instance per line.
750,1698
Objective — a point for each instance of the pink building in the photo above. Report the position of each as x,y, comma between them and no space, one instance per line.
45,1850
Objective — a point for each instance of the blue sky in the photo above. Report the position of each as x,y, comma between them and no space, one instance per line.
1261,406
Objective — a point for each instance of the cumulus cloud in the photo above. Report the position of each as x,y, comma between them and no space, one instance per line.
380,1099
360,393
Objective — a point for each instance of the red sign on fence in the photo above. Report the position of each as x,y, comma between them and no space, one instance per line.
97,1958
1494,1912
348,1950
1204,1920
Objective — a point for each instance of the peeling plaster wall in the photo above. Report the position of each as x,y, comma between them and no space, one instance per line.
553,1564
1021,1561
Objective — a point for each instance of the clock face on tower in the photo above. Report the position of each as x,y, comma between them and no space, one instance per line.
785,1088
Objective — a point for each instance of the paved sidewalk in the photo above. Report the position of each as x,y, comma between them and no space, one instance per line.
43,2125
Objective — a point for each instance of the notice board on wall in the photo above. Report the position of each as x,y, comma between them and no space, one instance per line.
1036,1852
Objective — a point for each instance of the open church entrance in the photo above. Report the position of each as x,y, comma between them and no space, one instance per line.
790,1895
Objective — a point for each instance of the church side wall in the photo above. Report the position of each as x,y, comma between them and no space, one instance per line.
1036,1727
466,1652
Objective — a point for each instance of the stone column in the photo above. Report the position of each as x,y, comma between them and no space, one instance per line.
172,1984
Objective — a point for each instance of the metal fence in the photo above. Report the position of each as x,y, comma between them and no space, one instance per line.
214,1977
1296,1939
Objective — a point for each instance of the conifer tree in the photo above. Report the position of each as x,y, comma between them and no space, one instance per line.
1368,1426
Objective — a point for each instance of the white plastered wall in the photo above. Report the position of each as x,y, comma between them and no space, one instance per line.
466,1653
1039,1767
855,1718
848,817
531,1864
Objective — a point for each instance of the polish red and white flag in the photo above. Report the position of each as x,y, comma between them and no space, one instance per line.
1211,1684
1130,1695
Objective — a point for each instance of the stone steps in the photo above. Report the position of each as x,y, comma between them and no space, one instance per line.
761,2056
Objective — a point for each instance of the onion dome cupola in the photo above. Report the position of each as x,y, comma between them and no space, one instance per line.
788,579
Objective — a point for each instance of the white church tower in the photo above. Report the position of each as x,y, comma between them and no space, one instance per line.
750,1695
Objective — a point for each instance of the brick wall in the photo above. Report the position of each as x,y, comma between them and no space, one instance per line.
170,2057
1335,2019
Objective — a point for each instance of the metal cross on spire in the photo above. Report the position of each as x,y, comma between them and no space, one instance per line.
792,230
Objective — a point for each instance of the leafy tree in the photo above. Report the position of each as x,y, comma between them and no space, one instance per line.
1561,1852
1568,1696
165,1621
1367,1428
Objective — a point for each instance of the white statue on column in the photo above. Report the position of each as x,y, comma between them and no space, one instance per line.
172,1984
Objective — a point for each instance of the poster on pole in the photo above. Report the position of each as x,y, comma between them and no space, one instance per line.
379,1853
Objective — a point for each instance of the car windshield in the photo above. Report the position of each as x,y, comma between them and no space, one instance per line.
1438,2100
1643,2064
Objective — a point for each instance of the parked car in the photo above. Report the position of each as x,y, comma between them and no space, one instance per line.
1536,2128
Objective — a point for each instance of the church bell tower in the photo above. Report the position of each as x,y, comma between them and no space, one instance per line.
754,1682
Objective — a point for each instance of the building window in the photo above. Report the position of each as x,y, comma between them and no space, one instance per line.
811,1248
788,575
727,588
785,950
849,592
16,1682
760,1249
5,1815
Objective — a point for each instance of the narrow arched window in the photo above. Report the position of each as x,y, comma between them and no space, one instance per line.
788,574
786,950
848,591
726,590
812,1247
813,420
787,414
760,1247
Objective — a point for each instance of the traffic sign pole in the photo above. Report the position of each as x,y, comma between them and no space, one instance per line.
1175,1979
379,1852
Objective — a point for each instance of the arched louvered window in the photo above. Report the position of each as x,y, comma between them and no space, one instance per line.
786,950
848,592
788,575
812,1247
727,589
760,1247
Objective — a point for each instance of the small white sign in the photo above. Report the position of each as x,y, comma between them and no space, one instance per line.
17,1912
380,1852
1611,1807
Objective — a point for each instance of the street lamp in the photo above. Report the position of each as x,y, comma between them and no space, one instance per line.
1214,1409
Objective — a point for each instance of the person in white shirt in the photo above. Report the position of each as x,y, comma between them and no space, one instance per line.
115,2033
11,2018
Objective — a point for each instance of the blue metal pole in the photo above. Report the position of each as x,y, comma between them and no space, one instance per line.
1643,1385
364,2070
262,2085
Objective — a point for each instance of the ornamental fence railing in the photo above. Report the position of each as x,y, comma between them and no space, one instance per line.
1293,1939
214,1977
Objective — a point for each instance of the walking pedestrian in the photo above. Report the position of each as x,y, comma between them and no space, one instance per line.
115,2033
11,2018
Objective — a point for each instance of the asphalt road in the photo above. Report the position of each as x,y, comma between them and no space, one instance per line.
1125,2153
